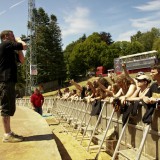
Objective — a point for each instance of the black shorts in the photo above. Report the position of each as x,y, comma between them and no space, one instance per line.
7,98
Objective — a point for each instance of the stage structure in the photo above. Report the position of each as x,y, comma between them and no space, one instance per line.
31,59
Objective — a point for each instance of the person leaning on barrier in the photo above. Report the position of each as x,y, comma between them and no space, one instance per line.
127,88
98,88
143,86
85,91
115,88
134,102
99,94
74,95
66,94
153,95
109,89
10,53
59,94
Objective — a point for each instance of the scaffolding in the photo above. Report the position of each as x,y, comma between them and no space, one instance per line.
31,60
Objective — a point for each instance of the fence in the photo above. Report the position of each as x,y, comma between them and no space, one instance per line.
79,113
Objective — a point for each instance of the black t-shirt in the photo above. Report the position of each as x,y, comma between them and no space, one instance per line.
154,91
8,61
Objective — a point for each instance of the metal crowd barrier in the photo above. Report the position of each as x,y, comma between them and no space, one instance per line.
101,128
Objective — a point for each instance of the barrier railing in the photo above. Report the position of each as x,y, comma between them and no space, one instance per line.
78,113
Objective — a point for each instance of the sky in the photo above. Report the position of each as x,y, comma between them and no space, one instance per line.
120,18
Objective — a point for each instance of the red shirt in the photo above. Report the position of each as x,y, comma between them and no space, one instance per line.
37,100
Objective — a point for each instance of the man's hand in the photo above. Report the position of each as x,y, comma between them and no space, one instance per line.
148,100
19,40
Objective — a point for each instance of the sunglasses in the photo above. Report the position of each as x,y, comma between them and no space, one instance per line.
141,80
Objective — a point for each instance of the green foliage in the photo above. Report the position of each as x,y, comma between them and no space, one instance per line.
147,38
99,50
156,46
84,54
106,37
50,61
20,86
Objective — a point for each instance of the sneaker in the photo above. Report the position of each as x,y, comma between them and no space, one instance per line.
12,139
16,135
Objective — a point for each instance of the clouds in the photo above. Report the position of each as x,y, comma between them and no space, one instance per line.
16,4
77,21
2,12
147,21
81,20
120,18
126,35
153,5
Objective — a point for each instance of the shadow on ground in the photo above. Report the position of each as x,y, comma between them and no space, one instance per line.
39,137
63,152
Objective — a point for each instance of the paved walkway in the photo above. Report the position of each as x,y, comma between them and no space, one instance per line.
39,143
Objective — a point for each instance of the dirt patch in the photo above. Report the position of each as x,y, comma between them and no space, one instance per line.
69,146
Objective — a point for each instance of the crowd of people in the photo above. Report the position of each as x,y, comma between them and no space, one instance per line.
126,93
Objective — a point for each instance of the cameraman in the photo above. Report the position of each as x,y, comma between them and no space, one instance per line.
10,54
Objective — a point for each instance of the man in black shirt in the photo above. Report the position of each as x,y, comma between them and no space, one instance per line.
10,52
154,92
152,97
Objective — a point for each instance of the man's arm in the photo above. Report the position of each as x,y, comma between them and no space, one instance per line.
21,57
76,85
148,98
127,74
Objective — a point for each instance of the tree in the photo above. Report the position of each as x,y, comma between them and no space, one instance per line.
85,55
147,38
68,56
50,61
20,85
106,37
156,46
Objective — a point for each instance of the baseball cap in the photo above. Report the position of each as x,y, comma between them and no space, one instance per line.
140,73
143,77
